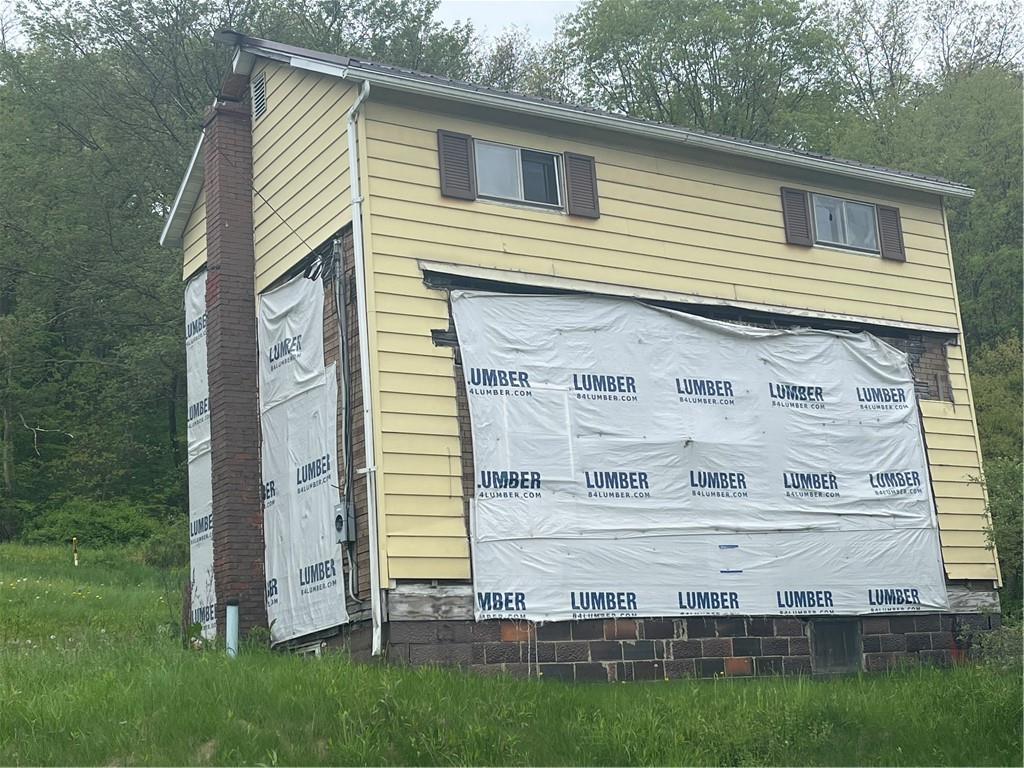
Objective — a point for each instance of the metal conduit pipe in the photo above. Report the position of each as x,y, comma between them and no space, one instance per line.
359,258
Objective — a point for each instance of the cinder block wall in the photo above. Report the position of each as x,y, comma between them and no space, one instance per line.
613,650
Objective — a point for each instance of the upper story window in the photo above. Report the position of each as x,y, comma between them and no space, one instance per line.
845,223
810,218
473,168
514,173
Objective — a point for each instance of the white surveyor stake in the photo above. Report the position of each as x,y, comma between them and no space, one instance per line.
634,461
298,416
200,476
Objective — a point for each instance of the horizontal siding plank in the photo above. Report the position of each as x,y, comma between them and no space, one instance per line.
951,427
946,474
943,409
946,458
421,445
411,382
423,365
427,466
413,324
951,442
418,306
416,526
406,504
428,567
964,571
413,344
966,539
967,555
433,546
972,519
416,424
393,402
951,492
423,485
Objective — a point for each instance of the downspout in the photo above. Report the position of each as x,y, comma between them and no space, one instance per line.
359,258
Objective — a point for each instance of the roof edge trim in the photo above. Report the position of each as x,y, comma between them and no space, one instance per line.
185,199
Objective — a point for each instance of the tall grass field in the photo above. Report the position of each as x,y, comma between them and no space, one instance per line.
92,673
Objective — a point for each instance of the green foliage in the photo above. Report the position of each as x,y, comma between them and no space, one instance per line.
168,546
90,675
97,524
1005,505
998,383
1000,648
756,69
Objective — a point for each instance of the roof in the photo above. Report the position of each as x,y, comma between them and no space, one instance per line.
408,80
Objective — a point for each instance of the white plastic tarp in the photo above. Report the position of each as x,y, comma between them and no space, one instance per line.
200,478
634,461
298,416
291,340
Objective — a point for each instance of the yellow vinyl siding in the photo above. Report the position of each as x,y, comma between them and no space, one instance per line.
193,241
300,168
667,223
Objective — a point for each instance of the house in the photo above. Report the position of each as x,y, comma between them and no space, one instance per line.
416,228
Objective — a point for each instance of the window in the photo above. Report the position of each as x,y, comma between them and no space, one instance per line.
845,223
512,173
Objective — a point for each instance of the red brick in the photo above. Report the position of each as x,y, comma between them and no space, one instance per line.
232,365
516,631
620,629
739,666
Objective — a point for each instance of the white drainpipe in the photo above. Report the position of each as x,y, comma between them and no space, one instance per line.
359,256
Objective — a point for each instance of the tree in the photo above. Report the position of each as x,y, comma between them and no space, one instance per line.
755,69
966,35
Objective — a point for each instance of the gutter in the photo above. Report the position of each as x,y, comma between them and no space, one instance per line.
359,257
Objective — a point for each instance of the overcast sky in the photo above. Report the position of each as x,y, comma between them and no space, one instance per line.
489,17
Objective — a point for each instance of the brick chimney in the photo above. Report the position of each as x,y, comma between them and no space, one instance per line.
233,364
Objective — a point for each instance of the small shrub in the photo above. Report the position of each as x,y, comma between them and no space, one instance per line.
168,546
1000,648
95,523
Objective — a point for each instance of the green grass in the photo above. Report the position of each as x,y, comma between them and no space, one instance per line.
90,673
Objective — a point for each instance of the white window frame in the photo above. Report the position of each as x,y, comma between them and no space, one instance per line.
877,250
521,200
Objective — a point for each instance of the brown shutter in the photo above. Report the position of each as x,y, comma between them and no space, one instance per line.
581,186
890,233
796,216
457,164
